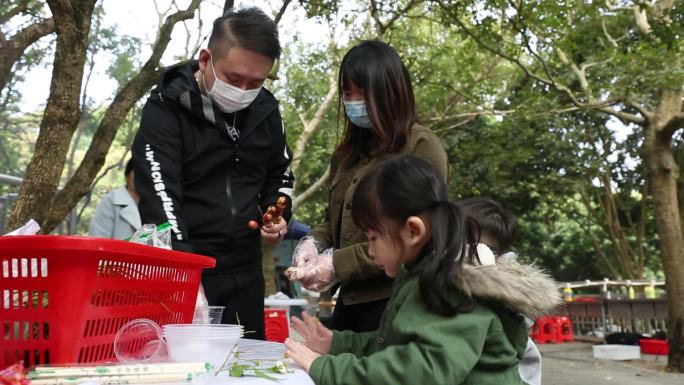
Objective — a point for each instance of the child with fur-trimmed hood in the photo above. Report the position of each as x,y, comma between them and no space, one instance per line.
451,319
495,233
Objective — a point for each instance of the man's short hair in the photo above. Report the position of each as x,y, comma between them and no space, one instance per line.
129,168
248,28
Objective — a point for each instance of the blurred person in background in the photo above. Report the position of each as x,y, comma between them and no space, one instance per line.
117,214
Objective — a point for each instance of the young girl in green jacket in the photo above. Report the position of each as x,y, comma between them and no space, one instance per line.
450,320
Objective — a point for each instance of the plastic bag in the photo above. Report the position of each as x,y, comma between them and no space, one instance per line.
30,228
306,249
151,235
160,236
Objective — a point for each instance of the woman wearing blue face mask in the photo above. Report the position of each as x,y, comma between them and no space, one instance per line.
380,118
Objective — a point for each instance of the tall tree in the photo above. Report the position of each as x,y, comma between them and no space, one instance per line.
619,58
13,46
38,197
62,113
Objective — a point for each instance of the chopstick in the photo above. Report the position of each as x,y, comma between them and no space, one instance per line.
118,374
118,380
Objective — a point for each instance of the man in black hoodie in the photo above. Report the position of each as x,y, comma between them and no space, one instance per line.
211,155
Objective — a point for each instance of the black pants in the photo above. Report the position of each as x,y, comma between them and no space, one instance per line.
362,317
243,296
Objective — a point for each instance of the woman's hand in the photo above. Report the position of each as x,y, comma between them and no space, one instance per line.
302,355
316,337
317,273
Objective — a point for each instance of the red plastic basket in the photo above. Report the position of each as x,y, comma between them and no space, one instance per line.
63,298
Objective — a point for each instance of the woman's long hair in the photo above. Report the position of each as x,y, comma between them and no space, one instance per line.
402,186
376,68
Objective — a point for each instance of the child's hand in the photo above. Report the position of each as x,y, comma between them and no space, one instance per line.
302,355
316,336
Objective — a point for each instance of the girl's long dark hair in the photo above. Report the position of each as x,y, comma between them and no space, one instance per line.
376,68
402,186
492,220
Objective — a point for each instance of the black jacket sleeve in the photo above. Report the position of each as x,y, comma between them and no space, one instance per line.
279,179
157,151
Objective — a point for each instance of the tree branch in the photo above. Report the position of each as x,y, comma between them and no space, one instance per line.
228,5
376,17
20,8
623,116
78,185
612,41
399,13
13,48
281,12
675,123
642,110
61,115
311,126
641,20
301,198
383,27
474,114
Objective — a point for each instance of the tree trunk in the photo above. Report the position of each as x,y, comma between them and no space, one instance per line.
12,49
312,125
79,184
62,113
664,172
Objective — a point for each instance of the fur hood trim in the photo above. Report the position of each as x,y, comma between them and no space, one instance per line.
522,288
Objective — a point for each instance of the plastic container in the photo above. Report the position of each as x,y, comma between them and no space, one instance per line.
204,332
616,352
653,346
64,298
208,314
208,343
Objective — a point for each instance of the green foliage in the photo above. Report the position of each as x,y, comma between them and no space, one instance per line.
305,71
508,136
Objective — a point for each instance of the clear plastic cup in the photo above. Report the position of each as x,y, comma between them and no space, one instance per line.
140,341
208,314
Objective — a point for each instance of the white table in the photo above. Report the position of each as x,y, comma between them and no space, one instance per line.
268,353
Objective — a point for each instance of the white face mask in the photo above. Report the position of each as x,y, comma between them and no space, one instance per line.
227,97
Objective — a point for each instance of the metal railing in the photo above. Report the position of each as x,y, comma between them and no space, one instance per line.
634,308
644,316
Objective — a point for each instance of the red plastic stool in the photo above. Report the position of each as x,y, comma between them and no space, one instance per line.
545,329
564,329
276,325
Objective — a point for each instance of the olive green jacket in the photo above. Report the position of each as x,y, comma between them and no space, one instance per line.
361,280
417,346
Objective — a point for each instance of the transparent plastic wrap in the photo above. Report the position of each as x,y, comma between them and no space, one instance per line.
151,235
313,269
160,236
